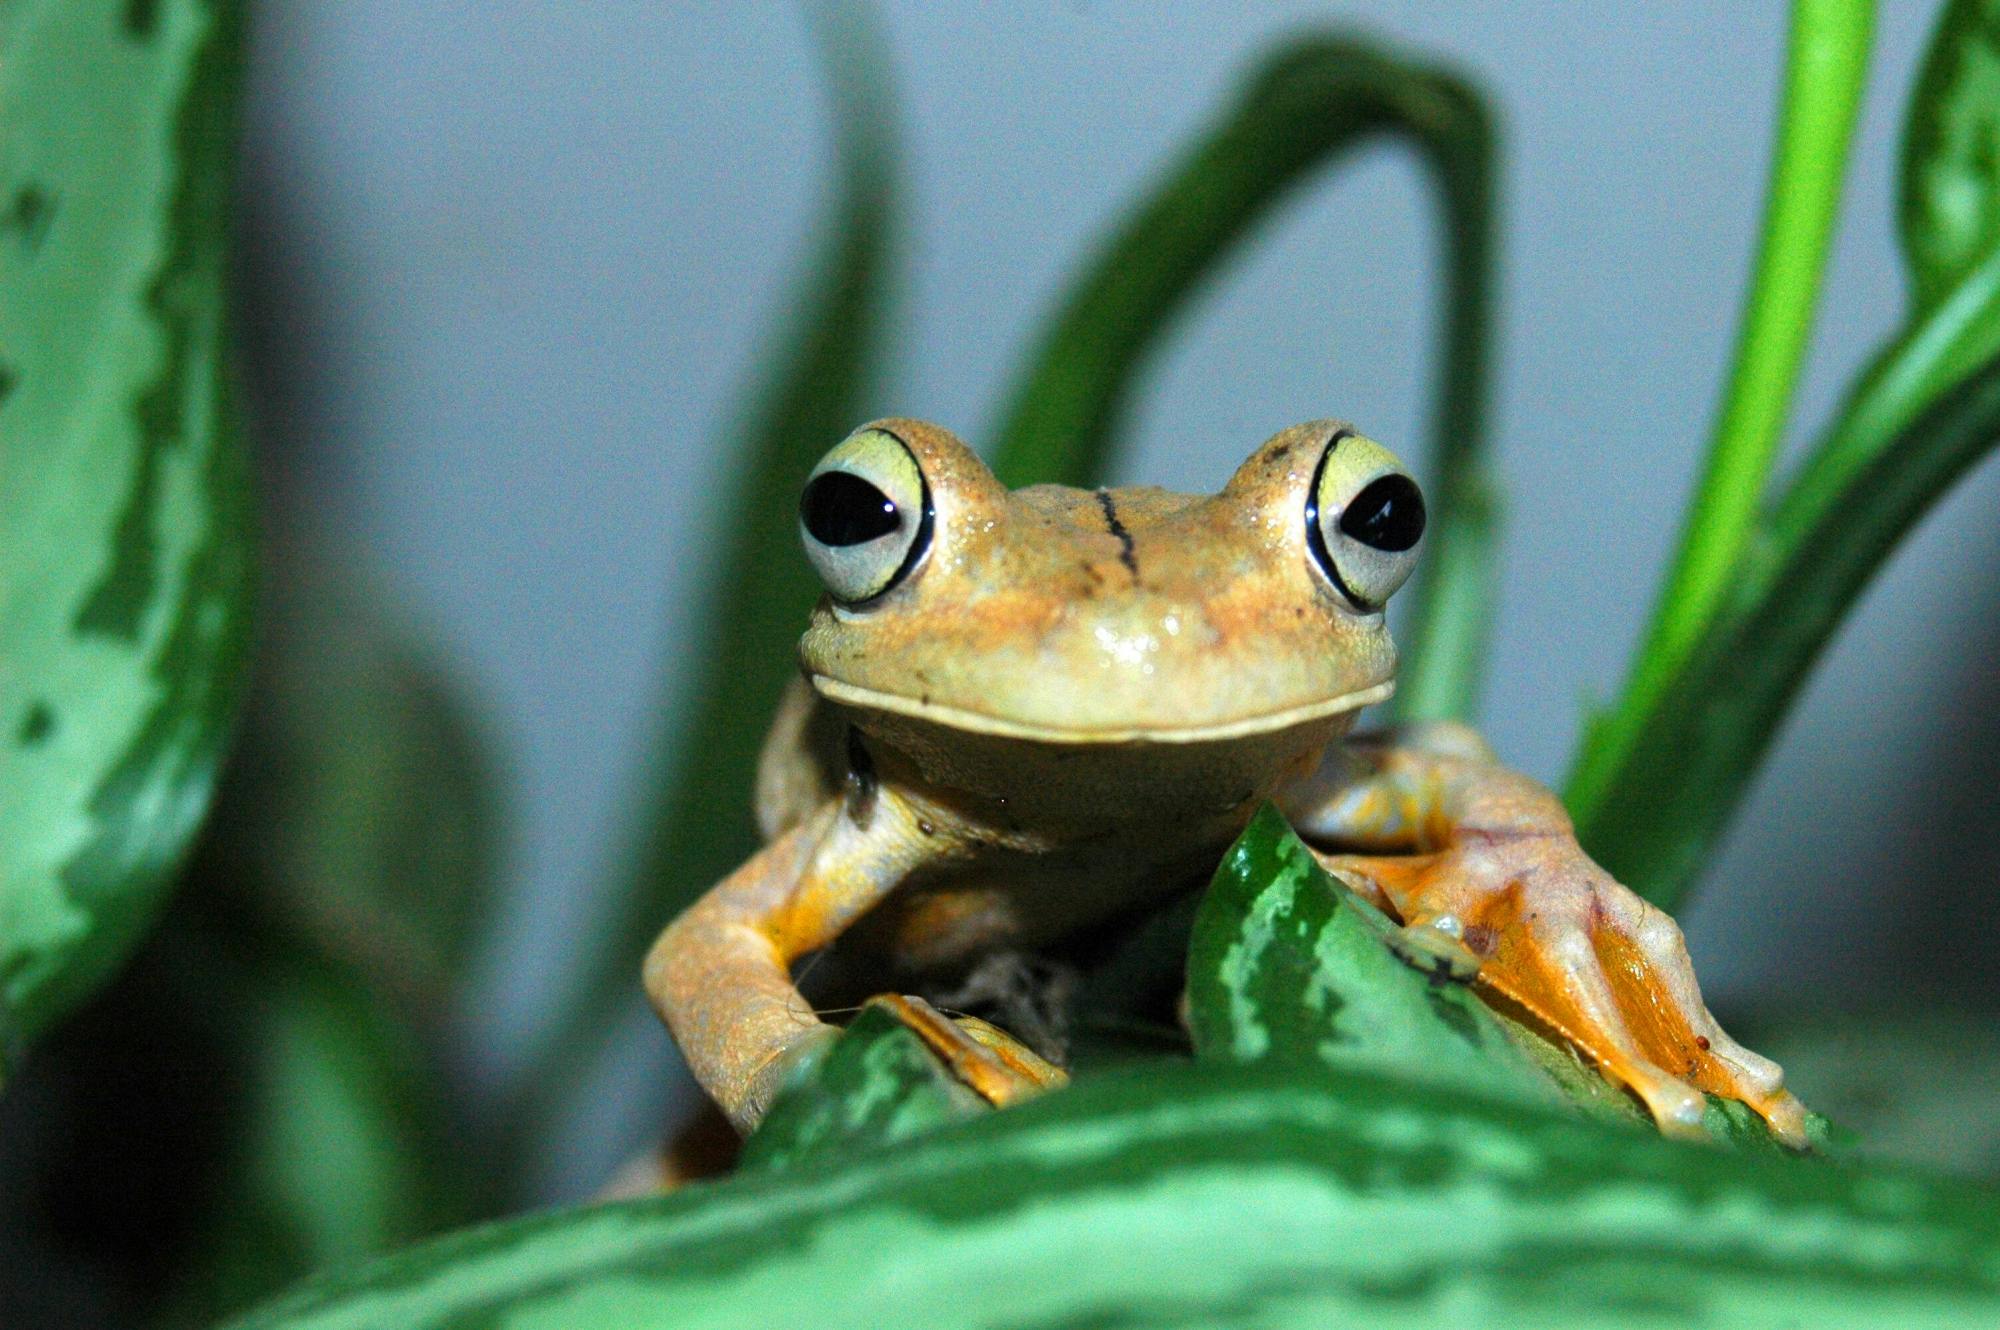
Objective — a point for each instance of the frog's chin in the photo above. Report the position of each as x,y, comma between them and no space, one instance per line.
977,722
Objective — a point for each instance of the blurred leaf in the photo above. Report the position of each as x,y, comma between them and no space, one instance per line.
347,865
360,812
1207,1194
342,1148
695,815
1950,203
1826,69
1287,963
875,1085
1917,1085
124,580
282,1034
1311,102
230,1114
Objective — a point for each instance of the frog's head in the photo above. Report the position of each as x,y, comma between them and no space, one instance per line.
1106,616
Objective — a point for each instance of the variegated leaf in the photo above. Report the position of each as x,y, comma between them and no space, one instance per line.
124,523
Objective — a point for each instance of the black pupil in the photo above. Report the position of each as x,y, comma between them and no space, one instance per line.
1387,515
840,508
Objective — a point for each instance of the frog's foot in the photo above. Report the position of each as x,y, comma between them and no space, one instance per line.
1559,941
992,1063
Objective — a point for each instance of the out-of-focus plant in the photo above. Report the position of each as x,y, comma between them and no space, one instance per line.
124,498
262,1093
1427,1157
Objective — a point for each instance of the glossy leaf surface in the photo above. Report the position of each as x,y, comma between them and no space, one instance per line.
877,1084
125,572
1217,1195
1287,963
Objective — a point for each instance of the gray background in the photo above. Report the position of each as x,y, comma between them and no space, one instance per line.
511,265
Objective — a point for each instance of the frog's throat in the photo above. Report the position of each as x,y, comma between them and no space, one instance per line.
975,722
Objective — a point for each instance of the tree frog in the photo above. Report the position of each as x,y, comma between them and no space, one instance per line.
1022,713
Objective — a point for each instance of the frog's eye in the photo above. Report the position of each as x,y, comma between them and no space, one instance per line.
1364,519
865,516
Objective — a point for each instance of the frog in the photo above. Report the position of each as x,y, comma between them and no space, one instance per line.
1022,713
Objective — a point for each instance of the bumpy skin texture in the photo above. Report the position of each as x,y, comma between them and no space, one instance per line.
1072,699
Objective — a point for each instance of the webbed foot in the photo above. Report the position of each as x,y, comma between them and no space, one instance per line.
992,1063
1558,939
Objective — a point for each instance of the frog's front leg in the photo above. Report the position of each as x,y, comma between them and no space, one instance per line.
1458,846
720,974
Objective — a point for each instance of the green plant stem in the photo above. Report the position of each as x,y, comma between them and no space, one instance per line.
1946,343
1310,104
1825,73
1687,767
1683,792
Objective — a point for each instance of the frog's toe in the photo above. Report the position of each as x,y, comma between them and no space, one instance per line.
989,1061
1677,1108
1437,947
1786,1117
1760,1083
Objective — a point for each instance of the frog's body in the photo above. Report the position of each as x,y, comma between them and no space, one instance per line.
1023,712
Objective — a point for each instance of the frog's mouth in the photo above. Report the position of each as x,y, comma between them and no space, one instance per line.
976,722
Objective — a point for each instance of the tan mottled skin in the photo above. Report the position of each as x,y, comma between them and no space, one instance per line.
1059,725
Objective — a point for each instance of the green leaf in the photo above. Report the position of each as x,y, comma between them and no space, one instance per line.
230,1114
345,874
1287,963
1825,73
1690,763
1651,806
875,1085
1950,201
695,811
359,814
125,576
1914,1084
1208,1194
343,1149
1304,108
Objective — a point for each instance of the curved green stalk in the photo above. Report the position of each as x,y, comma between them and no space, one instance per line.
1824,77
1913,423
1312,102
1941,348
1688,765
